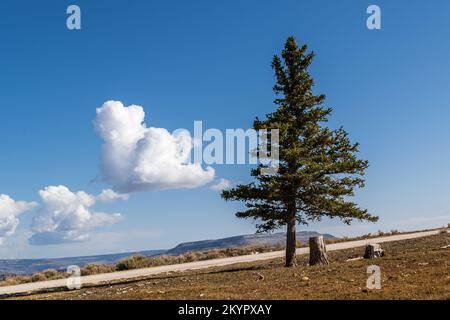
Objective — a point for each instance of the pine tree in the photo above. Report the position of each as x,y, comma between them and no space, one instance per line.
318,167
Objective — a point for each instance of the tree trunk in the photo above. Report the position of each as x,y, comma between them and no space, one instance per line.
291,243
317,251
373,251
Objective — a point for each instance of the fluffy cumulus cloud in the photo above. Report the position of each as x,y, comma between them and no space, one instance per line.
66,216
9,212
140,158
221,185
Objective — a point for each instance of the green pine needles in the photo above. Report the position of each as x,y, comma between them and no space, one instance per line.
318,167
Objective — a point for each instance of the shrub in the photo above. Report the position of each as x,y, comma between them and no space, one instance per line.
133,262
15,280
49,274
94,268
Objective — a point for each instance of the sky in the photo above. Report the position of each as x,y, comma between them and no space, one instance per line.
67,183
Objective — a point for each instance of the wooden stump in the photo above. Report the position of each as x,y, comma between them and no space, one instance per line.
317,251
373,251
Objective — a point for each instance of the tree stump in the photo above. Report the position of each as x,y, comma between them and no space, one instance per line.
373,251
317,251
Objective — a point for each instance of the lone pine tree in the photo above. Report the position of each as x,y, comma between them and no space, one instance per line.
318,167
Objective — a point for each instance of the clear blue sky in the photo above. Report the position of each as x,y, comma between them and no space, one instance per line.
210,60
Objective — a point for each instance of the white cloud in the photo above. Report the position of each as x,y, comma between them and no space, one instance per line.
137,158
66,216
9,212
221,185
109,195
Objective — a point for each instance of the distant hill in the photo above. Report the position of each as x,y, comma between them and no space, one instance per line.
244,240
30,266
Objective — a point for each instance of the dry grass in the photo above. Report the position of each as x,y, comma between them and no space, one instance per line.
94,268
49,274
137,262
411,269
380,233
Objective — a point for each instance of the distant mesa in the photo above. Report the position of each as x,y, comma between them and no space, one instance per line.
273,239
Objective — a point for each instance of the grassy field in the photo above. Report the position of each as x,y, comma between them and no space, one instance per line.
411,269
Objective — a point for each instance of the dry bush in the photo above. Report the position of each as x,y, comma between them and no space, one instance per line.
130,263
138,262
49,274
38,277
95,268
190,257
15,280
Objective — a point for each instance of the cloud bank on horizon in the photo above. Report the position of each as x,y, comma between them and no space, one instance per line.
139,158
